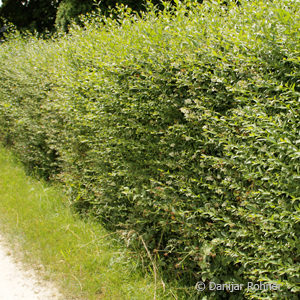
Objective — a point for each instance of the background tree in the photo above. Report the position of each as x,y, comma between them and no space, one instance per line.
71,9
30,14
45,15
42,14
15,12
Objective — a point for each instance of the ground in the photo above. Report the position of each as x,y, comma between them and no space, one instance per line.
18,282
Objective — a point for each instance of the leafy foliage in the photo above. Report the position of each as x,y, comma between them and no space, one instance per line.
70,10
180,127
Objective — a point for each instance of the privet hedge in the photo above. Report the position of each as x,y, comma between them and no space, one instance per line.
178,128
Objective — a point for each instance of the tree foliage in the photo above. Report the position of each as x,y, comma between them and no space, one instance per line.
44,15
30,14
14,11
69,10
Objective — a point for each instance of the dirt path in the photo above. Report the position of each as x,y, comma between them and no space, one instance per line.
16,283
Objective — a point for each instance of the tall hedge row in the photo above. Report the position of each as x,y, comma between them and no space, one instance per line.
180,129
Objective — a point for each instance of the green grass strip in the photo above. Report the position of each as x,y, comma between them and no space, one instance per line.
79,255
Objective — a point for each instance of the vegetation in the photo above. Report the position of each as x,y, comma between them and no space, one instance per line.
48,15
86,261
178,128
31,15
70,10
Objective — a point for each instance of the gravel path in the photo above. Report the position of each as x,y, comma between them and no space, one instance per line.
16,283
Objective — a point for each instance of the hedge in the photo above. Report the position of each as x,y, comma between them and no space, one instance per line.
179,128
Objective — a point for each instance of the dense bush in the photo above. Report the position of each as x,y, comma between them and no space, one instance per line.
182,129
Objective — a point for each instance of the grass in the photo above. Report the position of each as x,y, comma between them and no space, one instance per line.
80,256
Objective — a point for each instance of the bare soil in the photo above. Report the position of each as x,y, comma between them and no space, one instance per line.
18,282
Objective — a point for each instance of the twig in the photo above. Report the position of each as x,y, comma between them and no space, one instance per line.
77,281
153,264
164,285
68,229
174,295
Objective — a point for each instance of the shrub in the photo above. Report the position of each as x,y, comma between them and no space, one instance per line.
180,127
